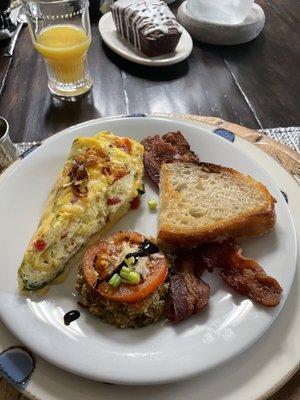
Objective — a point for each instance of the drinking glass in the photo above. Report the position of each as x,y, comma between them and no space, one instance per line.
61,32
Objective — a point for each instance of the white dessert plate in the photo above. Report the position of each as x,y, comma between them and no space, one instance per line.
161,352
124,48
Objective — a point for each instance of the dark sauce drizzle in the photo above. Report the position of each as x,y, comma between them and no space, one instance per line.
71,316
145,249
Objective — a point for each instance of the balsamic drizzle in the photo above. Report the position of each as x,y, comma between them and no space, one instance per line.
115,271
145,249
71,316
150,247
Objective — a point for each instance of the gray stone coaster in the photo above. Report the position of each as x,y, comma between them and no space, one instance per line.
221,34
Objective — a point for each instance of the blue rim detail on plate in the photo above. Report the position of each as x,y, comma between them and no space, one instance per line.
26,152
135,115
285,196
224,133
17,365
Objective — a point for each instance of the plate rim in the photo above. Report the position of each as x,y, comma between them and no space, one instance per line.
140,59
95,121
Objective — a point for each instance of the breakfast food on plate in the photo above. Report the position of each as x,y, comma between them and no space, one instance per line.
97,183
188,293
122,280
171,147
126,279
202,202
148,24
202,207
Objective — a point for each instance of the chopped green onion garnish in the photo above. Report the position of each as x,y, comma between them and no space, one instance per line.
130,276
130,261
152,204
115,280
125,270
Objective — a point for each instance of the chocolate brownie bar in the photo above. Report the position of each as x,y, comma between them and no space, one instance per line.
148,24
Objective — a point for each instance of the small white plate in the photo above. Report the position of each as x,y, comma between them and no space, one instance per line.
124,48
161,352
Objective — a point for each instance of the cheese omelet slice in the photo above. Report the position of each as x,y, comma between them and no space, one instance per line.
95,188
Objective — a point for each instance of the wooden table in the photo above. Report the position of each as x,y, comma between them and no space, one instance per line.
255,84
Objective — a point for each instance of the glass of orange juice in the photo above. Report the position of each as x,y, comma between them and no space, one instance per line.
61,33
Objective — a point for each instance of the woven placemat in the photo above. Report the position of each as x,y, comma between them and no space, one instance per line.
289,136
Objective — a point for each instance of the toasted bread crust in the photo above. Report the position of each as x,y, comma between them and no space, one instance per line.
245,225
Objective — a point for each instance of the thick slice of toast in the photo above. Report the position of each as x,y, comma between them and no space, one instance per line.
202,202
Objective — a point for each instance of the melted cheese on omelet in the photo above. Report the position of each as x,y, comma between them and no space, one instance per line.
69,221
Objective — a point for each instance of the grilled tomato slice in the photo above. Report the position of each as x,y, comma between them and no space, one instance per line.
107,258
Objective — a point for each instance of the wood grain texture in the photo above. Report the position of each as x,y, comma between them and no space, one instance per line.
264,68
254,85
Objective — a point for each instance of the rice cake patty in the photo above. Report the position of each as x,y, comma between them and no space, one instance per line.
123,280
123,315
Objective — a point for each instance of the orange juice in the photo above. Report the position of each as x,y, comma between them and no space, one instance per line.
64,47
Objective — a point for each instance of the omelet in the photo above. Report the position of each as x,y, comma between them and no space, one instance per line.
97,183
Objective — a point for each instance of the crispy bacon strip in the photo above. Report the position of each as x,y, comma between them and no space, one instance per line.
169,148
249,279
188,293
243,274
156,151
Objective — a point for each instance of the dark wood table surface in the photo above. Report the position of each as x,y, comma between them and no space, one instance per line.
256,85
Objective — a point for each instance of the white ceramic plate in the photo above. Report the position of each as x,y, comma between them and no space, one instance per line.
93,349
125,49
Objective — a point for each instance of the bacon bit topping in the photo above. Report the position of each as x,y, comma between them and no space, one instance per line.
120,173
106,171
64,235
135,203
112,201
40,245
78,177
78,174
123,144
74,199
94,154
